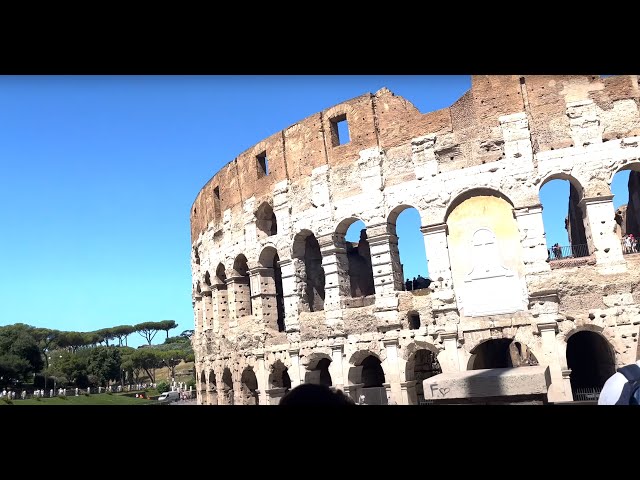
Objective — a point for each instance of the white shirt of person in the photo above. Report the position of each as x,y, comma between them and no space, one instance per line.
613,388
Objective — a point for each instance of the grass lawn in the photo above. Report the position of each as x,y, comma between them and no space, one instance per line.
97,399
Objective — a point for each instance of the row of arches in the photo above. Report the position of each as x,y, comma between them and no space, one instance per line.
588,355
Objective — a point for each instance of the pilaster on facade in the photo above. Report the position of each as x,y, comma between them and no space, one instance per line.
290,294
532,239
451,359
336,366
600,228
385,259
336,273
238,295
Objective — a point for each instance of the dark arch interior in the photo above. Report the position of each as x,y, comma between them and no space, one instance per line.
360,266
325,376
590,359
372,373
250,387
501,353
266,220
426,365
277,277
314,274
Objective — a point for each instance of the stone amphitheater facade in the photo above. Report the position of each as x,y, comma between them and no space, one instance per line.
281,298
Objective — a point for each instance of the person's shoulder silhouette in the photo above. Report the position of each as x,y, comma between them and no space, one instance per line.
312,394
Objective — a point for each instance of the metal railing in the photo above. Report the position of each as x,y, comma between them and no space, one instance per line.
568,251
586,393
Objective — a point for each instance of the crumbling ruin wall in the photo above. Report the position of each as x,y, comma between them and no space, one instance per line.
506,137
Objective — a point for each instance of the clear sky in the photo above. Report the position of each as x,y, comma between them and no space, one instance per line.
99,174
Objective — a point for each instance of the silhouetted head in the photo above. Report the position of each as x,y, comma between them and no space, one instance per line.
312,394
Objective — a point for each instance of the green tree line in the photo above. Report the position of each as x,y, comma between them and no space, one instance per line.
82,359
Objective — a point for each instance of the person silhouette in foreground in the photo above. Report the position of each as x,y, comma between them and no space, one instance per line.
312,394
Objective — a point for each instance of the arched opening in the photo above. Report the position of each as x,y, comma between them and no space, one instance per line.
271,284
221,275
414,320
564,228
240,295
279,377
410,262
591,360
319,374
359,258
249,387
227,385
308,265
266,223
485,253
373,381
500,353
625,187
425,365
203,388
212,390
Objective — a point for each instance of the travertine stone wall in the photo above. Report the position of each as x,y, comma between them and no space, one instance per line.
505,138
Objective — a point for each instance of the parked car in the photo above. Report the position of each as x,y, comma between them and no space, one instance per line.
169,397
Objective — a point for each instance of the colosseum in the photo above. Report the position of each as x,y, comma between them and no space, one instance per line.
282,298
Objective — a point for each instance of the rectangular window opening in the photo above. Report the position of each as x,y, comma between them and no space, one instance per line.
263,164
339,130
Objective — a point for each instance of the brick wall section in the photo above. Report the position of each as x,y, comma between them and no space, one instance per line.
468,133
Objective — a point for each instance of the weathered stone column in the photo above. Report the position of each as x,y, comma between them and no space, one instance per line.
239,297
336,367
443,296
261,377
207,310
392,372
337,284
452,360
290,294
296,370
599,227
263,296
219,302
198,314
547,331
566,383
532,239
385,259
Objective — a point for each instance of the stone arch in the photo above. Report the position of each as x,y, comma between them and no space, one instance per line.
563,176
310,275
279,376
239,296
468,193
249,387
627,216
422,364
212,389
575,221
398,250
317,369
360,268
266,222
502,352
590,357
240,266
271,288
221,275
227,386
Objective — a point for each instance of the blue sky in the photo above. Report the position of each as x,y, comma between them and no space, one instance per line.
99,174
